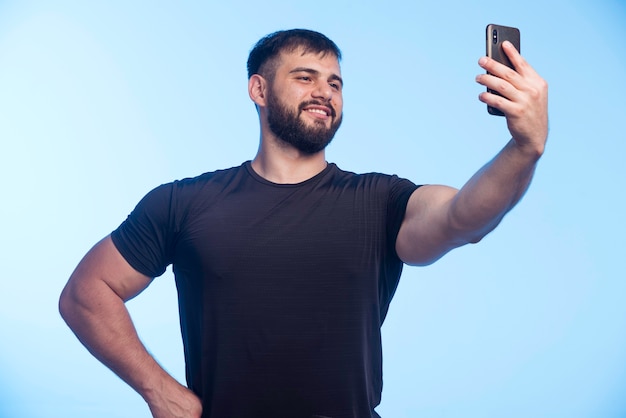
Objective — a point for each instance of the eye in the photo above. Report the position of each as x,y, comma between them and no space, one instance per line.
336,86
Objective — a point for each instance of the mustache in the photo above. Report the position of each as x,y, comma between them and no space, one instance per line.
327,104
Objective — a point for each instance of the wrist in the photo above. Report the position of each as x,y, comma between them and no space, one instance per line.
529,150
155,382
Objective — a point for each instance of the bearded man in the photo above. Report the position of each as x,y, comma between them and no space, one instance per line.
286,265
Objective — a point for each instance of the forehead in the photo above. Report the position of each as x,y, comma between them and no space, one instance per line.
326,62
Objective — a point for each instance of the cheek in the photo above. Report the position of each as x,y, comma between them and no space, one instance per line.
338,105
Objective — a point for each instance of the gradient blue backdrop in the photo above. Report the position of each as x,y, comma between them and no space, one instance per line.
102,101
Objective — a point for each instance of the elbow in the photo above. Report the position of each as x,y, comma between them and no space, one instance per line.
473,233
65,303
476,238
69,304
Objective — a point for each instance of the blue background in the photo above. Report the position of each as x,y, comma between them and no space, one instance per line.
102,101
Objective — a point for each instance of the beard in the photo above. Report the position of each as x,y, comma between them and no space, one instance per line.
291,129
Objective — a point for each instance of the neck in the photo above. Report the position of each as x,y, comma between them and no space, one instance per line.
283,164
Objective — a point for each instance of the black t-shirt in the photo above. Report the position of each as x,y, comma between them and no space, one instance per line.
282,288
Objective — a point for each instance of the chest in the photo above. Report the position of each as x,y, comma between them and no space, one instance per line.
293,229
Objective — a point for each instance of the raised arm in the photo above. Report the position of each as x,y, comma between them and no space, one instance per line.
93,305
440,218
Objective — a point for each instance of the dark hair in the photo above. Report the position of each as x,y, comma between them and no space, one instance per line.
269,47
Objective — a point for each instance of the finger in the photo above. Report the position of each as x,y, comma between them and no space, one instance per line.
498,69
518,61
500,94
502,86
499,102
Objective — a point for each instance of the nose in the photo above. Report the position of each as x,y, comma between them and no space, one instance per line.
322,91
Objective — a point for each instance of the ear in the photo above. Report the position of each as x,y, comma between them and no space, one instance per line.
257,89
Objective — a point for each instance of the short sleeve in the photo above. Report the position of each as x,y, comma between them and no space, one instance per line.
145,238
399,194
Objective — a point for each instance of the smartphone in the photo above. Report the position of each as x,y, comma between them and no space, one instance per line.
496,34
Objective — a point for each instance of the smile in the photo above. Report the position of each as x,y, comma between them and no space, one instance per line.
319,111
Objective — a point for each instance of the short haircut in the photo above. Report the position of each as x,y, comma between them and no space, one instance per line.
264,54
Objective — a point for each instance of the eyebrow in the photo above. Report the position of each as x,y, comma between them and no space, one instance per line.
311,71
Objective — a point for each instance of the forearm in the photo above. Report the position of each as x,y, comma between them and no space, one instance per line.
484,200
497,187
93,305
99,318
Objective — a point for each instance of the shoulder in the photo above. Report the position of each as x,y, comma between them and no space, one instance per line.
208,178
189,187
372,179
186,192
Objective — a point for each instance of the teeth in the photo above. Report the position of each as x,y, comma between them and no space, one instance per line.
321,112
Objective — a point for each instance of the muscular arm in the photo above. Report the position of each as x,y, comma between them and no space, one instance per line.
93,305
440,218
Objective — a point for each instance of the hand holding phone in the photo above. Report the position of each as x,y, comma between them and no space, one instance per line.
496,35
523,92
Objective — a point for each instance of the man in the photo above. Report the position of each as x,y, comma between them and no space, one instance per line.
286,265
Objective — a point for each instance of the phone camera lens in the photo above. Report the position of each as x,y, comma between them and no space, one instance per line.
495,36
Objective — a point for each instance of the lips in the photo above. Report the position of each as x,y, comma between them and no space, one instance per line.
318,109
